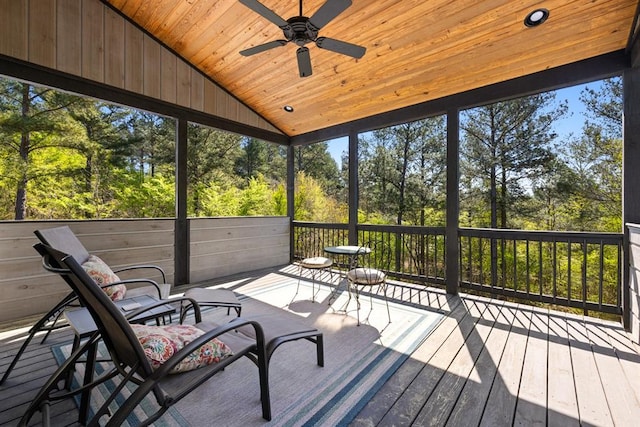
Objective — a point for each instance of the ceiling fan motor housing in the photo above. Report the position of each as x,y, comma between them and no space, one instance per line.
300,31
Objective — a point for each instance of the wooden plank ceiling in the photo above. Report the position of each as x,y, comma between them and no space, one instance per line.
417,50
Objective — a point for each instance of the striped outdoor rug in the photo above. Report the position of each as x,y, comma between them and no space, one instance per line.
358,360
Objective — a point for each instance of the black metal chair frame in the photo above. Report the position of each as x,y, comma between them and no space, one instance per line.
49,322
310,250
128,356
376,259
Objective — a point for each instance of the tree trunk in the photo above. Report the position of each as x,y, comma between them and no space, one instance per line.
25,142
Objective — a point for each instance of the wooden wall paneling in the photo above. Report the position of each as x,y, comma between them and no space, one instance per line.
224,246
114,44
168,75
69,36
151,67
183,83
27,289
211,98
93,40
215,266
219,103
42,32
13,28
197,90
133,66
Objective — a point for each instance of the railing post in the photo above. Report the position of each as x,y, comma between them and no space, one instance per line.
630,184
452,249
291,200
181,230
353,188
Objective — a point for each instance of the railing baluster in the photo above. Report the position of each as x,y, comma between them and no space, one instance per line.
419,257
527,269
515,265
569,270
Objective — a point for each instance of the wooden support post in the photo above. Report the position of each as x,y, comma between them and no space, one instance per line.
452,250
181,230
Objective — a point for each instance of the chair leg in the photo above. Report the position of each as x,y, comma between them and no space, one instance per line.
386,299
357,303
41,325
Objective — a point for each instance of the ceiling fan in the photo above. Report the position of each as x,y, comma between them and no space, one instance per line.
302,30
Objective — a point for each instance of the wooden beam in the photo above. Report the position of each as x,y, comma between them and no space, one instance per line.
291,179
592,69
181,231
452,274
353,188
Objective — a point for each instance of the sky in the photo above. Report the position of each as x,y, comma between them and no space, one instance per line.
571,124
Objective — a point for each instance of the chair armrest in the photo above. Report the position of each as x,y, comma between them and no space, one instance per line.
208,336
131,281
137,267
196,308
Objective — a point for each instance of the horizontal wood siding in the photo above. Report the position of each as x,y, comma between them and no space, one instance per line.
224,246
634,280
88,39
26,289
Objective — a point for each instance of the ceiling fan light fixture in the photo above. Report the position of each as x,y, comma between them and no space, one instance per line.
536,17
288,108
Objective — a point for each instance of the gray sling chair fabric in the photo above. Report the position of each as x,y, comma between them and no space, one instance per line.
128,355
63,239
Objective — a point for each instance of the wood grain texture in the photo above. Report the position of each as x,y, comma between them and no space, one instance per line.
416,50
584,365
42,32
91,40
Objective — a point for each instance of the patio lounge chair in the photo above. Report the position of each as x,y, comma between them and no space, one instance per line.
128,355
63,239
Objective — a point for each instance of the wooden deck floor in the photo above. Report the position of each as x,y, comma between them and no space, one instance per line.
489,363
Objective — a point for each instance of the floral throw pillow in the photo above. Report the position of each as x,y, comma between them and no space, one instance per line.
162,342
103,275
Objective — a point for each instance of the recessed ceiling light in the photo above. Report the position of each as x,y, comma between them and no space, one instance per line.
536,17
288,108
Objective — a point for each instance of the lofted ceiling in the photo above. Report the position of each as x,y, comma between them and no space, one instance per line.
416,50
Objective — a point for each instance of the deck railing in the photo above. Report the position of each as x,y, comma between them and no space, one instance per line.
574,269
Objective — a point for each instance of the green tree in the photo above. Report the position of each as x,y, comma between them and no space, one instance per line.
316,162
596,157
33,120
504,146
262,158
402,170
211,157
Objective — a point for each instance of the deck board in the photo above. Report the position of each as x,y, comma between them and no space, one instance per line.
590,393
625,410
531,408
437,409
489,363
501,403
562,403
470,404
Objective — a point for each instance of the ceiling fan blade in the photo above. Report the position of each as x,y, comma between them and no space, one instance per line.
265,12
339,46
262,47
304,61
327,12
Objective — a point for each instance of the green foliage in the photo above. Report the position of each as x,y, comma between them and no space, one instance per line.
139,196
